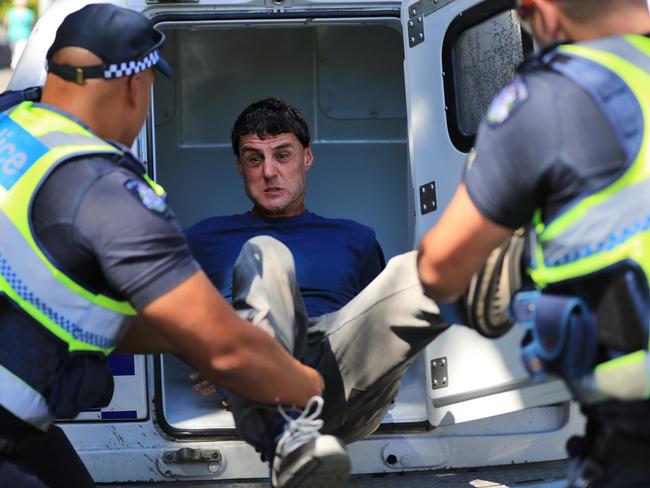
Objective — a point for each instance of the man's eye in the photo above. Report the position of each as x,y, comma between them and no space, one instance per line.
254,161
283,156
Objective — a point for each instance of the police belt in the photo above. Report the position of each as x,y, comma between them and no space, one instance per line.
18,447
560,334
69,381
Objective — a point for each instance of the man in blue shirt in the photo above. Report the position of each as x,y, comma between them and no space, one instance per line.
335,258
358,326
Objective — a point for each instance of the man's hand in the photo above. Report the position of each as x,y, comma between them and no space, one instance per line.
200,385
456,248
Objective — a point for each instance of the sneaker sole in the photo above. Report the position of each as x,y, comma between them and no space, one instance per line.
326,466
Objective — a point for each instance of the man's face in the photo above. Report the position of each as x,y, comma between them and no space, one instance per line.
274,170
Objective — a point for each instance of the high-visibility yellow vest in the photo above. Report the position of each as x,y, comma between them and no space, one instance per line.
34,140
611,225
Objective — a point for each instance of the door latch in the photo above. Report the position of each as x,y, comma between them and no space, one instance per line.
191,462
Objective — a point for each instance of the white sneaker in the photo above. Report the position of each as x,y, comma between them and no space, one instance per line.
306,458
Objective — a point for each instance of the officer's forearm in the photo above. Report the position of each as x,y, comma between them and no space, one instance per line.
258,368
140,338
438,279
456,248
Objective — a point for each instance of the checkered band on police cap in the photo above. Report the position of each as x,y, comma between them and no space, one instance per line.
132,67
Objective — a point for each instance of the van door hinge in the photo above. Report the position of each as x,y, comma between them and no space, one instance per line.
439,378
428,199
417,12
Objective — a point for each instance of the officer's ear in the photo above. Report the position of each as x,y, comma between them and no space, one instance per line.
550,22
135,89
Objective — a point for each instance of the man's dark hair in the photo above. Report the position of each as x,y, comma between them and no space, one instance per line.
269,117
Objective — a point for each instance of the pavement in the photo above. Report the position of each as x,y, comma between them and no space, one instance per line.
533,475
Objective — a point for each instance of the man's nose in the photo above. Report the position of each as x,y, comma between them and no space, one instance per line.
269,169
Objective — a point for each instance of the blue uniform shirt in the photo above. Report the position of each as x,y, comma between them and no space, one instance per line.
335,258
551,144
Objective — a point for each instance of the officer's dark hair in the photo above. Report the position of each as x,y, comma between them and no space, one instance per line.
269,117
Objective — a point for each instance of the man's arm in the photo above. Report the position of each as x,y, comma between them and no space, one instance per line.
194,321
456,248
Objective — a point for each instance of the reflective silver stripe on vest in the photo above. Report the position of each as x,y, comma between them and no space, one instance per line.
54,139
32,280
603,227
23,401
621,48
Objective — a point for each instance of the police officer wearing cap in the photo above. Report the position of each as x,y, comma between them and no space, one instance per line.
92,259
564,151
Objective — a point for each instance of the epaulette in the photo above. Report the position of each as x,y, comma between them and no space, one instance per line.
128,160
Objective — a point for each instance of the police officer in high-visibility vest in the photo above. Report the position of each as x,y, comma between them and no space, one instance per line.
92,259
564,151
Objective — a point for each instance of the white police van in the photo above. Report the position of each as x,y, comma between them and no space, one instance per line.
393,92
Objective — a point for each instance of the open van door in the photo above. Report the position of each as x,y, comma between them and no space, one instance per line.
458,55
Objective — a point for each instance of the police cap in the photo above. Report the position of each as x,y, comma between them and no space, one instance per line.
125,41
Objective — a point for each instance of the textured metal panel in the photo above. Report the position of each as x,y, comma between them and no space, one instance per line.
485,56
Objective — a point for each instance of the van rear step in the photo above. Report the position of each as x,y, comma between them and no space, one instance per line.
533,475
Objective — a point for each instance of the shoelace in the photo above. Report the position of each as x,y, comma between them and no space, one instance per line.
302,429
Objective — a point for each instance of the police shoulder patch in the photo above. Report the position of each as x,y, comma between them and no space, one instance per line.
148,197
506,102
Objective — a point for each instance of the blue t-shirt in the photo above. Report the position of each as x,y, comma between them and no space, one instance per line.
335,258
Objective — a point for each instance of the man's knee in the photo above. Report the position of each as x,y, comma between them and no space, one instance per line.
403,264
262,248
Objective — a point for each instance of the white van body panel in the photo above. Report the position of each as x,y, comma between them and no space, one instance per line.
378,147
